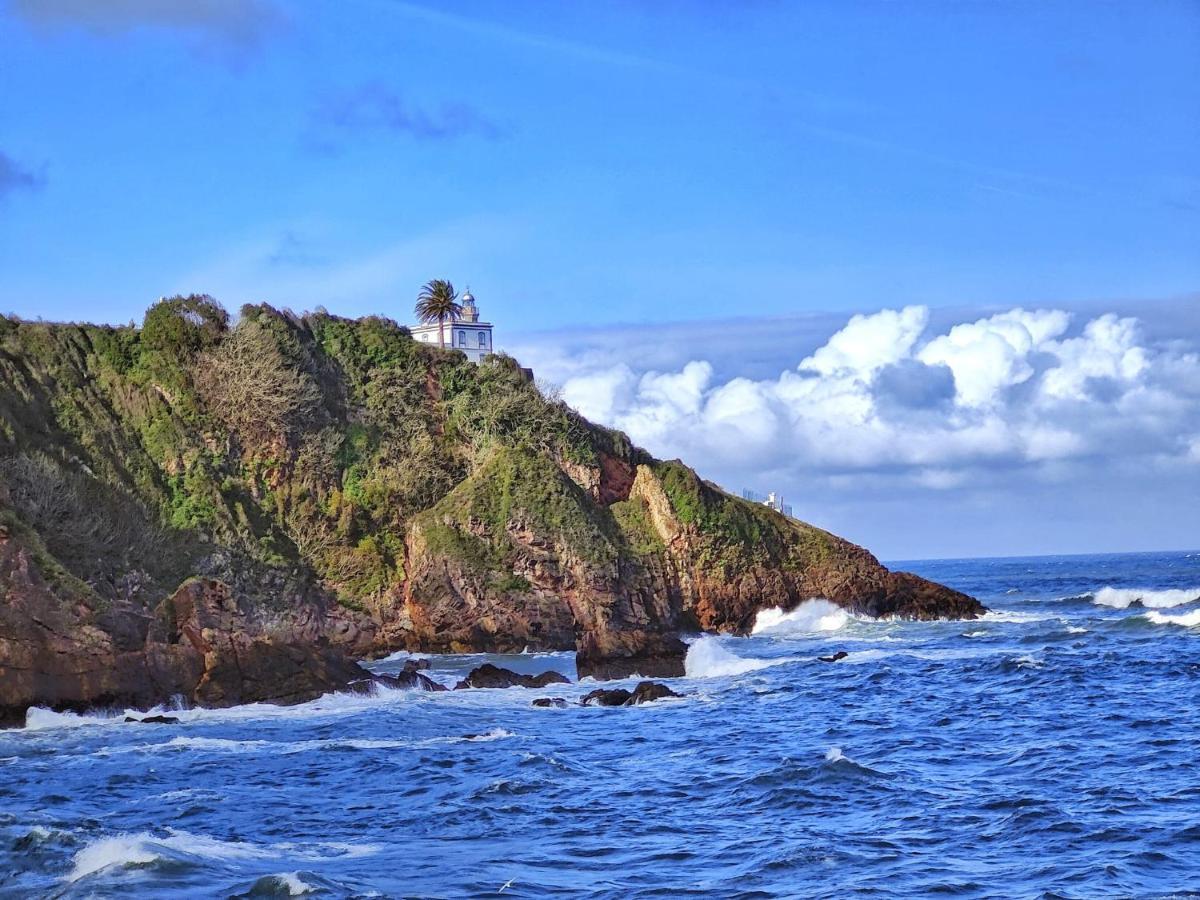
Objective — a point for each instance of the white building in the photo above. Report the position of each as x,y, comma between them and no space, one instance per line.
465,333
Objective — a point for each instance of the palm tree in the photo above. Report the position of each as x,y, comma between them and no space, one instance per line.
438,302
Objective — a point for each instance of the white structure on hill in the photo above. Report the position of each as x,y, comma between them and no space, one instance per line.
465,333
772,500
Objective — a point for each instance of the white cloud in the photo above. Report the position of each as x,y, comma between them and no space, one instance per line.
1017,390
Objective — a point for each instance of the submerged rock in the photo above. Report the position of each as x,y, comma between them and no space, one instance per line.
645,692
544,702
841,654
606,697
648,692
490,676
153,720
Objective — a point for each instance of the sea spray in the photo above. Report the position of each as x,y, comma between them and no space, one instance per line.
706,658
809,617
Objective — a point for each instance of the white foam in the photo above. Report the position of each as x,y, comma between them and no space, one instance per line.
706,658
144,848
1186,620
296,886
39,719
833,754
1013,616
1122,598
809,617
496,734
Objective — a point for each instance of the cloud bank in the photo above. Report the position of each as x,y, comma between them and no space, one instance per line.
886,395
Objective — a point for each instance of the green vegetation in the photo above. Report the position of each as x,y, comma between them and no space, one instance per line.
288,449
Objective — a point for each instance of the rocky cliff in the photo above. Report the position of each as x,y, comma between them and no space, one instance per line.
231,514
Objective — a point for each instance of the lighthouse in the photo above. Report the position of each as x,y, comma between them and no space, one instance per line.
466,332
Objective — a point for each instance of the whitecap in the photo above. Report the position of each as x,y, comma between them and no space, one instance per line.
293,884
833,754
1122,598
810,616
38,718
706,658
144,848
1016,617
1186,620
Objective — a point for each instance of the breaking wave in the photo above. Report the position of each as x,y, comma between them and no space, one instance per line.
1122,598
1187,620
706,658
809,617
144,849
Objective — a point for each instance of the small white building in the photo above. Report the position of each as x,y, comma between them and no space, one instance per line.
465,333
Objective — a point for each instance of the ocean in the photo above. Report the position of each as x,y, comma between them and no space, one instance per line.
1049,749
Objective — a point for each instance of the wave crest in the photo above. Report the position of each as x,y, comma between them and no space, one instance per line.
1186,620
1122,598
706,658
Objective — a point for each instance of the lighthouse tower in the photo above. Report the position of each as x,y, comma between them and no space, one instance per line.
465,332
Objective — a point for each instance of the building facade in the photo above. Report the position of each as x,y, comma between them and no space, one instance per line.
466,333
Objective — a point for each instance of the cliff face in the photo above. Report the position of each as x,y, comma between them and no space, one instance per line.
323,487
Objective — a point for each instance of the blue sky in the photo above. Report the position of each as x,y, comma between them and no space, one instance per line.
588,167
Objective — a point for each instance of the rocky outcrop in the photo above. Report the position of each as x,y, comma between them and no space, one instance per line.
61,648
645,692
489,676
520,555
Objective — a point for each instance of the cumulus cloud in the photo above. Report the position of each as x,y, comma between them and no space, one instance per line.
238,22
886,394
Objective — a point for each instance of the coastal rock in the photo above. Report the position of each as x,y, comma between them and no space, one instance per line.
153,720
841,654
606,697
60,649
648,692
644,692
548,702
490,676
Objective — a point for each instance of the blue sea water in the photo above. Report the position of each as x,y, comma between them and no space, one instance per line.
1050,749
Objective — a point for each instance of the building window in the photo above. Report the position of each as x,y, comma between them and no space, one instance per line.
482,339
462,339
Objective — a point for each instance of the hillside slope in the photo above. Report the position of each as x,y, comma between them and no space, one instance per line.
340,489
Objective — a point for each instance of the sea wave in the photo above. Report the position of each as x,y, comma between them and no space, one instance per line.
1186,620
810,616
1122,598
706,658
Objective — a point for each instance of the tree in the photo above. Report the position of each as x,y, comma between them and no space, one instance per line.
438,302
253,387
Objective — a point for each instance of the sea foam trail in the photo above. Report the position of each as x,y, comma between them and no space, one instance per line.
1122,598
1187,620
706,658
809,617
144,848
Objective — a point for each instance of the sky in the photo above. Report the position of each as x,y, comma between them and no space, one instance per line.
929,269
